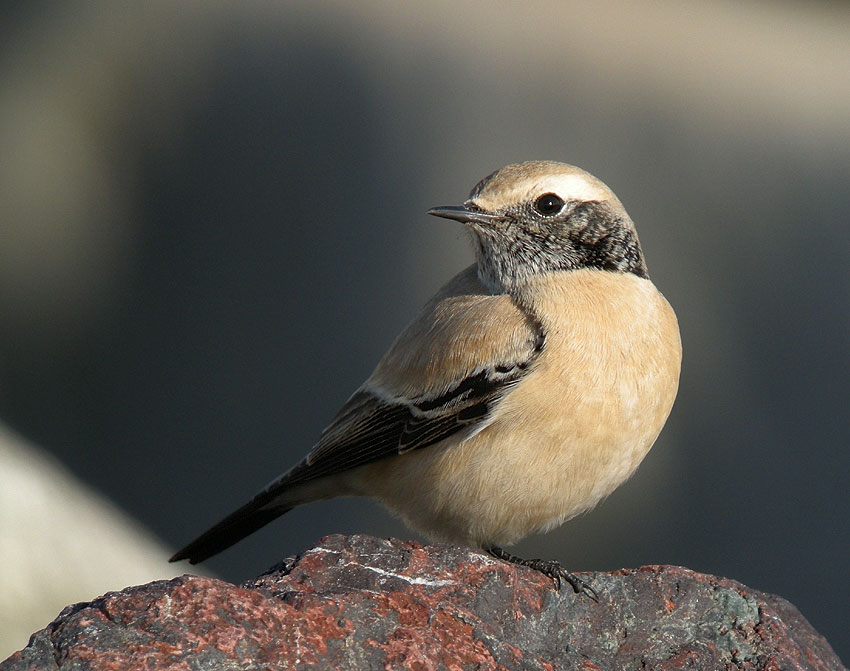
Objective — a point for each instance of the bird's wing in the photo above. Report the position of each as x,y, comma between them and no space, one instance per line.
442,376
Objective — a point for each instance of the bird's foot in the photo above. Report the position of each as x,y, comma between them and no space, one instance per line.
549,568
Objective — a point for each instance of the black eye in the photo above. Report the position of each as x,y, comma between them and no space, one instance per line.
548,204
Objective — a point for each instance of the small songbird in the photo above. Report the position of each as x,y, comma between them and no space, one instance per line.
527,389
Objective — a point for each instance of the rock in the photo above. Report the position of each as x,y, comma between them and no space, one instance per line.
363,603
44,511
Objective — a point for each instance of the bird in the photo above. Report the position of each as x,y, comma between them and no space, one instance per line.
526,390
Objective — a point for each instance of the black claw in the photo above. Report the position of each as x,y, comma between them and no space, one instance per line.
549,568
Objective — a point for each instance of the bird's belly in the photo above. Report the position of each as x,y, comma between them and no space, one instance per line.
522,474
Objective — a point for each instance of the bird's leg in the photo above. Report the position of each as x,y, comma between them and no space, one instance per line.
549,568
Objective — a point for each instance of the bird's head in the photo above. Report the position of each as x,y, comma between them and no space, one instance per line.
543,216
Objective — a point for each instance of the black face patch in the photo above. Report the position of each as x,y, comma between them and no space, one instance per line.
602,239
587,234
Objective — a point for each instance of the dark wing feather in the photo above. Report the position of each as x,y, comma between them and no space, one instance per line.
366,429
369,427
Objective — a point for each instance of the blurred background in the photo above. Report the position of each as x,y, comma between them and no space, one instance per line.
212,226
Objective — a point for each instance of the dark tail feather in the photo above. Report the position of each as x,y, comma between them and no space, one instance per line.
231,529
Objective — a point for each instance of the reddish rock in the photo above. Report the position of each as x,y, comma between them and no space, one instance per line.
363,603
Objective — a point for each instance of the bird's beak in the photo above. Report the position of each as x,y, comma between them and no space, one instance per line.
465,214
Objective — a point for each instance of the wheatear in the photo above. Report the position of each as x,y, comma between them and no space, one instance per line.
527,389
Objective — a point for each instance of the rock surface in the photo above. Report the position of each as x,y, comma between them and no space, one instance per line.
363,603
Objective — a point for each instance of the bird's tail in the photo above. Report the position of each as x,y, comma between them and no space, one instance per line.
299,485
258,512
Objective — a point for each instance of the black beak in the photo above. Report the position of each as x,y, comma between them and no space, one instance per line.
464,214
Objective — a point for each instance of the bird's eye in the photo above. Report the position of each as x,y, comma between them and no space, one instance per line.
548,204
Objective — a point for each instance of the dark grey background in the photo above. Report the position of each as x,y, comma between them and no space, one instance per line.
232,230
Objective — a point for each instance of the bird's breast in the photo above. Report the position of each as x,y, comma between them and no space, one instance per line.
597,398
